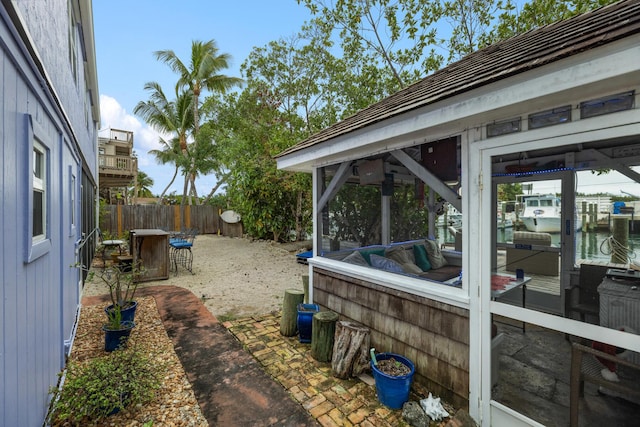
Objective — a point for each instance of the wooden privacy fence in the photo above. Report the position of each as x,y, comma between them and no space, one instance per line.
118,219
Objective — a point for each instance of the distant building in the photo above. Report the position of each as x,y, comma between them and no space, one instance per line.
49,115
118,165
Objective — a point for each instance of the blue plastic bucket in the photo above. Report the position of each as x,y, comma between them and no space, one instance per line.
305,320
392,391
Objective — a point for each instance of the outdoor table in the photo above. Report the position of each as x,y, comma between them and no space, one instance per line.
504,283
150,252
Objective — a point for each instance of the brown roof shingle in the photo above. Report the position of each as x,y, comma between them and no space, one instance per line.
507,58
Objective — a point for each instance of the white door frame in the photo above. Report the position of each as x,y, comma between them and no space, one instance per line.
479,185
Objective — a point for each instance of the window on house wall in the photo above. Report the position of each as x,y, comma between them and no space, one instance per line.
73,58
39,193
72,199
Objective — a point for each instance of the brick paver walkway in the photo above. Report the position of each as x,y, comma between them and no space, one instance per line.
331,401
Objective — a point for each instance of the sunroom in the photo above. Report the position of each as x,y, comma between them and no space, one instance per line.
553,111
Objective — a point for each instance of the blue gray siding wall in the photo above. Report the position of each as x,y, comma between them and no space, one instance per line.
39,296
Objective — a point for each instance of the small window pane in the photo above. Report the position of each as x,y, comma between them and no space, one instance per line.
38,213
503,128
37,163
550,117
606,105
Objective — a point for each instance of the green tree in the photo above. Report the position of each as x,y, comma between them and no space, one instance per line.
169,117
514,20
170,154
250,131
398,35
202,73
508,192
143,184
469,21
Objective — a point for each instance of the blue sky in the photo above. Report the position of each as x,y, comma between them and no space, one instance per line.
128,32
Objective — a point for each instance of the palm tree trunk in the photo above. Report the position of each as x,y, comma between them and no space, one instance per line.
194,190
184,189
175,174
215,188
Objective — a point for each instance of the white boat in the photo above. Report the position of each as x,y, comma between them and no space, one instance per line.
542,214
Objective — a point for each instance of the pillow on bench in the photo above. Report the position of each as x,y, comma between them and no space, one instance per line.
366,253
356,258
400,254
436,258
385,264
422,258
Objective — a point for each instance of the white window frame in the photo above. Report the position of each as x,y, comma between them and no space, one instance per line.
40,244
72,34
73,190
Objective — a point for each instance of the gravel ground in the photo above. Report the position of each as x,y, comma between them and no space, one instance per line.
234,277
175,403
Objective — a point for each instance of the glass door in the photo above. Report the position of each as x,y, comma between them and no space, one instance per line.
544,270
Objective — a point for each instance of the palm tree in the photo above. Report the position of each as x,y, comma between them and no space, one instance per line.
170,117
143,185
171,153
202,73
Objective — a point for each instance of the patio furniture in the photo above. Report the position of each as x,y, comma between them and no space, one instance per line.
585,367
150,252
505,283
180,252
529,254
109,246
584,298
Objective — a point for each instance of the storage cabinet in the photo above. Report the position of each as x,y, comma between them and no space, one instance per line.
150,251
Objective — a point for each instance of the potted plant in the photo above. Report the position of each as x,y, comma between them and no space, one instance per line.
122,286
393,374
116,330
103,386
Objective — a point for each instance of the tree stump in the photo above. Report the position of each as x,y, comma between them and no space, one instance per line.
289,320
322,333
350,349
305,286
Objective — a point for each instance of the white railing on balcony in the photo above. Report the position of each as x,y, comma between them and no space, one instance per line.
124,164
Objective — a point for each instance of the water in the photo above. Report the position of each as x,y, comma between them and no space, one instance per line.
589,246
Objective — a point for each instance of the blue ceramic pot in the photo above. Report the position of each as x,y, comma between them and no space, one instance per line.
114,338
127,314
392,391
305,320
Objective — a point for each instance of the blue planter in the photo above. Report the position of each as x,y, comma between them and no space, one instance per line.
305,319
128,314
393,391
118,337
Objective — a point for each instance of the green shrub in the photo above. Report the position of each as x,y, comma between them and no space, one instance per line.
103,386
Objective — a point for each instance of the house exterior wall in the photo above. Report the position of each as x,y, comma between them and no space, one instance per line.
41,101
432,334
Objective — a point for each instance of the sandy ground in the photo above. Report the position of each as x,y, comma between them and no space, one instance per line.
234,277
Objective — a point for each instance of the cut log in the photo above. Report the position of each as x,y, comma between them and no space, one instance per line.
289,320
350,349
305,286
322,334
